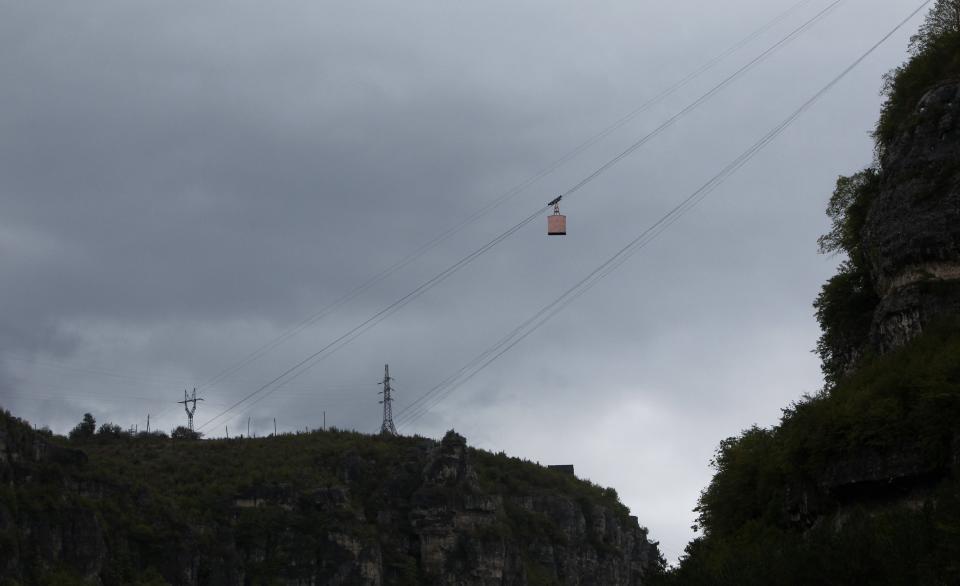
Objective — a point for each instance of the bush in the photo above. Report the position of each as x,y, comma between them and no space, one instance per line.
185,433
943,19
112,431
908,400
937,61
845,305
85,429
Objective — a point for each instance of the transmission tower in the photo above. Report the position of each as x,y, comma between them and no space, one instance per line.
192,401
387,428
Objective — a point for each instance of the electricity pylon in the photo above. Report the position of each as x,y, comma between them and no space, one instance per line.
387,428
192,400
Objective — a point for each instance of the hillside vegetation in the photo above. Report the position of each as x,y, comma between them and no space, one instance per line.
860,483
762,516
109,507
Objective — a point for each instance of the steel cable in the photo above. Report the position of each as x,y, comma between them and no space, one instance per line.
434,396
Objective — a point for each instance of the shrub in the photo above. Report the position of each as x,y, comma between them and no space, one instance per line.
845,305
937,60
85,429
185,433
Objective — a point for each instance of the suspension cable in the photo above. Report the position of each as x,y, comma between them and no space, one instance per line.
503,198
310,361
435,395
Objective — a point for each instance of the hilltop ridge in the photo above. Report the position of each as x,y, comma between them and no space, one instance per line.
324,507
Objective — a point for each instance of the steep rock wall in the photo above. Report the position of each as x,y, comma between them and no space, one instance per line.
912,233
428,521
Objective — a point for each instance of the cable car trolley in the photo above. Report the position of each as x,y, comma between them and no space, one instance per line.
557,222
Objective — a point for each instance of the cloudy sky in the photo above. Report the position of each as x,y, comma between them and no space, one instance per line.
182,183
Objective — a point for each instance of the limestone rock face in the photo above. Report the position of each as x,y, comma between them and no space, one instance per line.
912,233
905,311
461,542
74,537
428,517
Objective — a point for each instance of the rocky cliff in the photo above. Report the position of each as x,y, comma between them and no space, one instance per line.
859,483
315,508
912,232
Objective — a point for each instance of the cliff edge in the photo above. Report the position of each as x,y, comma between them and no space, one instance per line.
912,231
860,482
326,507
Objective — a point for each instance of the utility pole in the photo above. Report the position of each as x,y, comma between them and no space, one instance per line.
324,421
248,427
387,428
192,400
148,424
274,427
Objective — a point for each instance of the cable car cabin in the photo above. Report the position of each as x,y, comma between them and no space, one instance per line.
556,223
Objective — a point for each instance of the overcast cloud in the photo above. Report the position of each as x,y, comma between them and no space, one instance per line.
180,183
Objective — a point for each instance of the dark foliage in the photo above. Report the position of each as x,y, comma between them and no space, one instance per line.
936,60
185,433
274,506
779,509
943,19
905,402
845,305
112,431
85,429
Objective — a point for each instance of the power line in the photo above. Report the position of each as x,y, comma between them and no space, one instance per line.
310,361
508,195
516,190
699,101
434,396
376,318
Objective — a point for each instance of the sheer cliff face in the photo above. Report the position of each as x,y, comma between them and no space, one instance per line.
912,233
457,528
430,518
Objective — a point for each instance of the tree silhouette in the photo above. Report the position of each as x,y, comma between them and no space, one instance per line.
943,19
85,429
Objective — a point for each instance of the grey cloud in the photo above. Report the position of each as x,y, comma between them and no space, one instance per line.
179,185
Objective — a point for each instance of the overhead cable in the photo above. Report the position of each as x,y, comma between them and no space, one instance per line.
379,316
310,361
435,395
503,198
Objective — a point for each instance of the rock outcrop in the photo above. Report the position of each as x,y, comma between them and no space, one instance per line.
912,234
73,535
860,483
912,242
428,518
462,540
